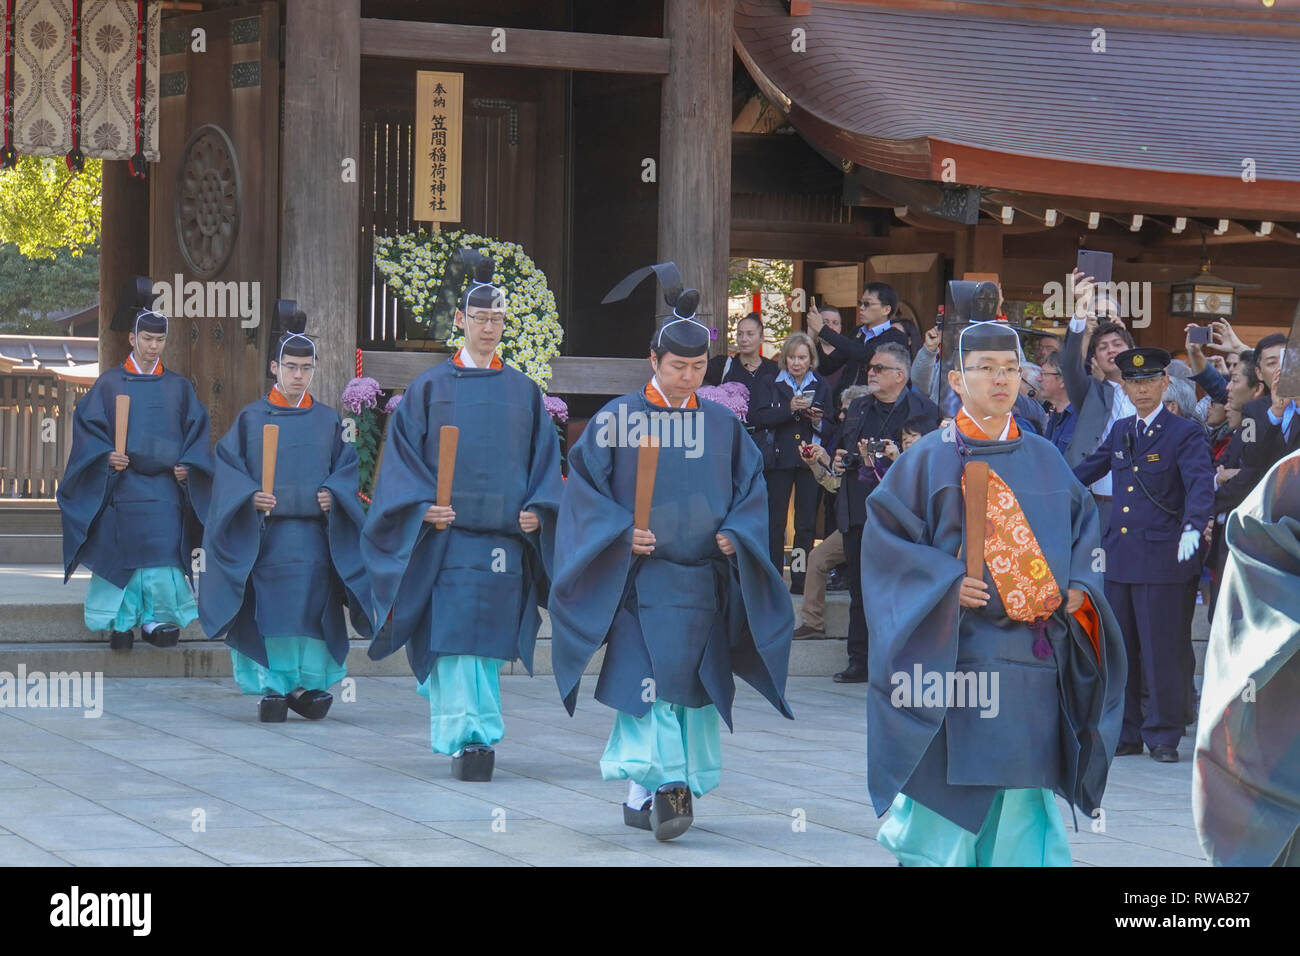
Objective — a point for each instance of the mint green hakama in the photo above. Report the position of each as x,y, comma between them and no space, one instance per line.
670,743
294,662
151,594
1022,828
464,693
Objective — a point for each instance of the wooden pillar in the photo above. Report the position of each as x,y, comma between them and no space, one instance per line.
123,250
320,212
963,259
987,252
695,152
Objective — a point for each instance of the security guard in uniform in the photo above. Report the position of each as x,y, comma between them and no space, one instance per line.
1163,488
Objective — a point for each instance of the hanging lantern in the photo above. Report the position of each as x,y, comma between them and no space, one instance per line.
1205,297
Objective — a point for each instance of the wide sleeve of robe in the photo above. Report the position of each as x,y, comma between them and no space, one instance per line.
1246,778
87,479
593,549
760,614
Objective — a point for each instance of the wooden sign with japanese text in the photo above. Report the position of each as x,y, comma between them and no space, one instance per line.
439,122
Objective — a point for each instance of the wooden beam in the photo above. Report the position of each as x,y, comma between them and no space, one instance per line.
695,152
545,49
320,212
570,375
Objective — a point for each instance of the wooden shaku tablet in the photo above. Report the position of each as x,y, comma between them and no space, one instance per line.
270,447
977,499
647,463
120,419
448,437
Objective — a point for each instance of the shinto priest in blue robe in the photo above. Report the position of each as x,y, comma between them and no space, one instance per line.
464,599
1246,781
678,624
136,529
278,584
973,784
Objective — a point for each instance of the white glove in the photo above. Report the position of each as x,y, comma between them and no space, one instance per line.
1188,545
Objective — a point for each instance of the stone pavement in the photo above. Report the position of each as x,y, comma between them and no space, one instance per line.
179,772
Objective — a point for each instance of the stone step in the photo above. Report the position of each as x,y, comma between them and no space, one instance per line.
30,520
31,548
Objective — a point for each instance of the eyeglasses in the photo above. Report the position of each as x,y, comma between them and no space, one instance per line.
879,369
867,303
989,371
493,318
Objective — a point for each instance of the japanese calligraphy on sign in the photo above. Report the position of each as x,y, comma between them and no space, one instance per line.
438,127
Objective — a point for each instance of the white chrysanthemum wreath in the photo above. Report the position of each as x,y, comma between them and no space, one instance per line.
413,265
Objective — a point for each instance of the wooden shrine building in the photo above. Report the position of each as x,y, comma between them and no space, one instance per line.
916,141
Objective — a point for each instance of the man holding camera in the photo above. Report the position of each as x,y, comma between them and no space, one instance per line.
873,424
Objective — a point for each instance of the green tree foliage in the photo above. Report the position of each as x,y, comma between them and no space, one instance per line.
775,279
45,208
31,288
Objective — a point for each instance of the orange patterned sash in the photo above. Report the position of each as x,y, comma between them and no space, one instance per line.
1020,572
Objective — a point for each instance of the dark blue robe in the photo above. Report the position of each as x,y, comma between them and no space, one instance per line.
141,517
686,616
474,587
1058,717
304,564
1246,782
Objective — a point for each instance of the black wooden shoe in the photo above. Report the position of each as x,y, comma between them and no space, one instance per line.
1163,753
1128,750
121,640
474,764
312,704
638,818
671,812
164,635
273,709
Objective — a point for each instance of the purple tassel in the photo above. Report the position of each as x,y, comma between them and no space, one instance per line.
1041,647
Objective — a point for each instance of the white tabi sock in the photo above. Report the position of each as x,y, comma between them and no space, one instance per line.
637,795
148,626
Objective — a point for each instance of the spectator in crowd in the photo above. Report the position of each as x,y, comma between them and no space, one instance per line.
875,309
831,551
1180,398
1047,345
1277,428
791,405
838,578
871,424
1098,398
835,322
747,365
1233,478
1031,381
908,328
926,379
1060,421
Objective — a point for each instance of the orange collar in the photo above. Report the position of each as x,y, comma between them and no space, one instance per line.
966,425
495,363
134,369
656,397
276,397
